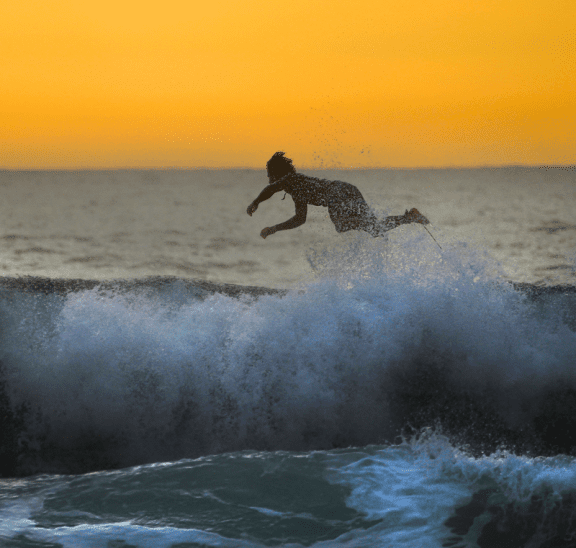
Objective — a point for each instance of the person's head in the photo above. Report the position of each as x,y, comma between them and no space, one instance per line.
278,166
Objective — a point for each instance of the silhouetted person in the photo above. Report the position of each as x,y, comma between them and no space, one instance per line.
346,206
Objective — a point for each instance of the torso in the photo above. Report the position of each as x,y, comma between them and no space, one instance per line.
309,190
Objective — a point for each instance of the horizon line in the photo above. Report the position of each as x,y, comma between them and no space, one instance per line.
324,168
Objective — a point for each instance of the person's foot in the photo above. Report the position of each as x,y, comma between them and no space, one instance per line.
414,216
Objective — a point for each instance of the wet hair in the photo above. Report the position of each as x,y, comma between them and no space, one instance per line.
279,165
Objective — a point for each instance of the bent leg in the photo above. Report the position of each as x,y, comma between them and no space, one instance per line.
349,211
364,220
412,216
389,223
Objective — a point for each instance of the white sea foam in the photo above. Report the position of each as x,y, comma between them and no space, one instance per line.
307,370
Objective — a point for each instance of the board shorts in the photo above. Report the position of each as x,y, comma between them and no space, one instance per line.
348,209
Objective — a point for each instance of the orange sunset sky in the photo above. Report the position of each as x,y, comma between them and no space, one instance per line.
226,83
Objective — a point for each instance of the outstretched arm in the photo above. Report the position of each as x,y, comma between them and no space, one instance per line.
266,194
298,220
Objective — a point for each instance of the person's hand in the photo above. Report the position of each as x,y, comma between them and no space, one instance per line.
266,232
252,208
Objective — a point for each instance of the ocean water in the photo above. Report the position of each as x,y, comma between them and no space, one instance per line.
193,224
168,378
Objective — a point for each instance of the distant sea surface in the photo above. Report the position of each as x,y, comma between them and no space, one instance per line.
131,224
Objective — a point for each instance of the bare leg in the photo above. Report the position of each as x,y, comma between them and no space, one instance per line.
384,225
377,228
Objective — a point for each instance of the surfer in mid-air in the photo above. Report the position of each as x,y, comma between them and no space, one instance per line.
346,206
